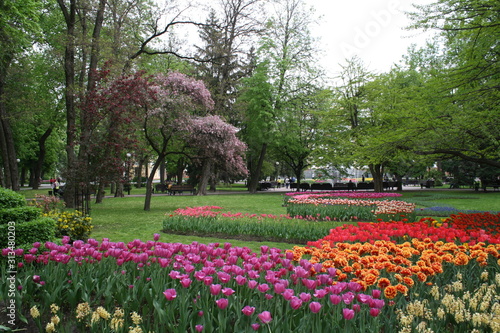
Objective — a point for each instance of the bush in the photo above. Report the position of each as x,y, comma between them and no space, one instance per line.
41,229
18,214
73,224
10,199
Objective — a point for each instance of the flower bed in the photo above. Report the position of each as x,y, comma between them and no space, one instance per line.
342,209
375,277
210,220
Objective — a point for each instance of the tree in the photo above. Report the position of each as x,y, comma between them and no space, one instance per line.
216,145
228,43
177,98
466,81
18,26
259,122
299,132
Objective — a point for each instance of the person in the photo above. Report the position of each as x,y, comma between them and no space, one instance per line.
56,185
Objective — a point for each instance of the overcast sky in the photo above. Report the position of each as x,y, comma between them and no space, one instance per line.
371,29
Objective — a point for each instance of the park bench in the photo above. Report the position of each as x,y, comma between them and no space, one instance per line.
173,189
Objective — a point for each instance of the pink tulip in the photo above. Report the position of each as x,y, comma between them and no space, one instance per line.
335,299
255,327
314,307
376,293
295,303
199,328
170,294
156,237
265,317
186,282
248,310
374,312
215,289
36,278
288,294
222,303
348,297
305,297
348,313
228,291
263,287
320,293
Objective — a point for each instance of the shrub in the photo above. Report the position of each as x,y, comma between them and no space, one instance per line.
41,229
10,199
18,214
47,203
73,224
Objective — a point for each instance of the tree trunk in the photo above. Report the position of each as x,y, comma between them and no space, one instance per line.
37,170
255,175
377,171
205,176
149,183
99,196
69,73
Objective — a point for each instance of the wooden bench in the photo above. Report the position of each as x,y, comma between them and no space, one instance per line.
173,189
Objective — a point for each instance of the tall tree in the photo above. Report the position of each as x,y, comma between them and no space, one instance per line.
215,145
228,42
178,98
259,122
18,26
468,79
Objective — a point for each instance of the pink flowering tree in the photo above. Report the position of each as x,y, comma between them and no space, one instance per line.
215,146
177,98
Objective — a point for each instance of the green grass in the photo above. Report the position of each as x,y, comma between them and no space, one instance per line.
123,219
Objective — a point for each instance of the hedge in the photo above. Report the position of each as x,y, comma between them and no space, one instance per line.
19,214
40,230
11,199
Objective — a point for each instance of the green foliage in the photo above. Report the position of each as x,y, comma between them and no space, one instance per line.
282,229
11,199
19,214
39,230
75,224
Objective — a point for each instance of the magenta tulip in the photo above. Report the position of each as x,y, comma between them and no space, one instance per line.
295,303
314,307
215,289
255,327
248,310
170,294
335,299
199,328
374,312
265,317
348,313
222,303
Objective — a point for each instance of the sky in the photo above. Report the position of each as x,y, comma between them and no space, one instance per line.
373,30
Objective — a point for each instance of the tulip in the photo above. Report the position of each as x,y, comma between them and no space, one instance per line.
265,317
228,291
374,312
186,282
170,294
156,237
295,303
305,297
335,299
248,310
264,287
199,328
314,307
222,303
255,327
36,278
348,313
215,289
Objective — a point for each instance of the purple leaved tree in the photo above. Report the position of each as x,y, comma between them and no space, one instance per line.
216,146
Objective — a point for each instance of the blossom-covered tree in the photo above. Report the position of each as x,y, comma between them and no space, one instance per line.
178,98
216,145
